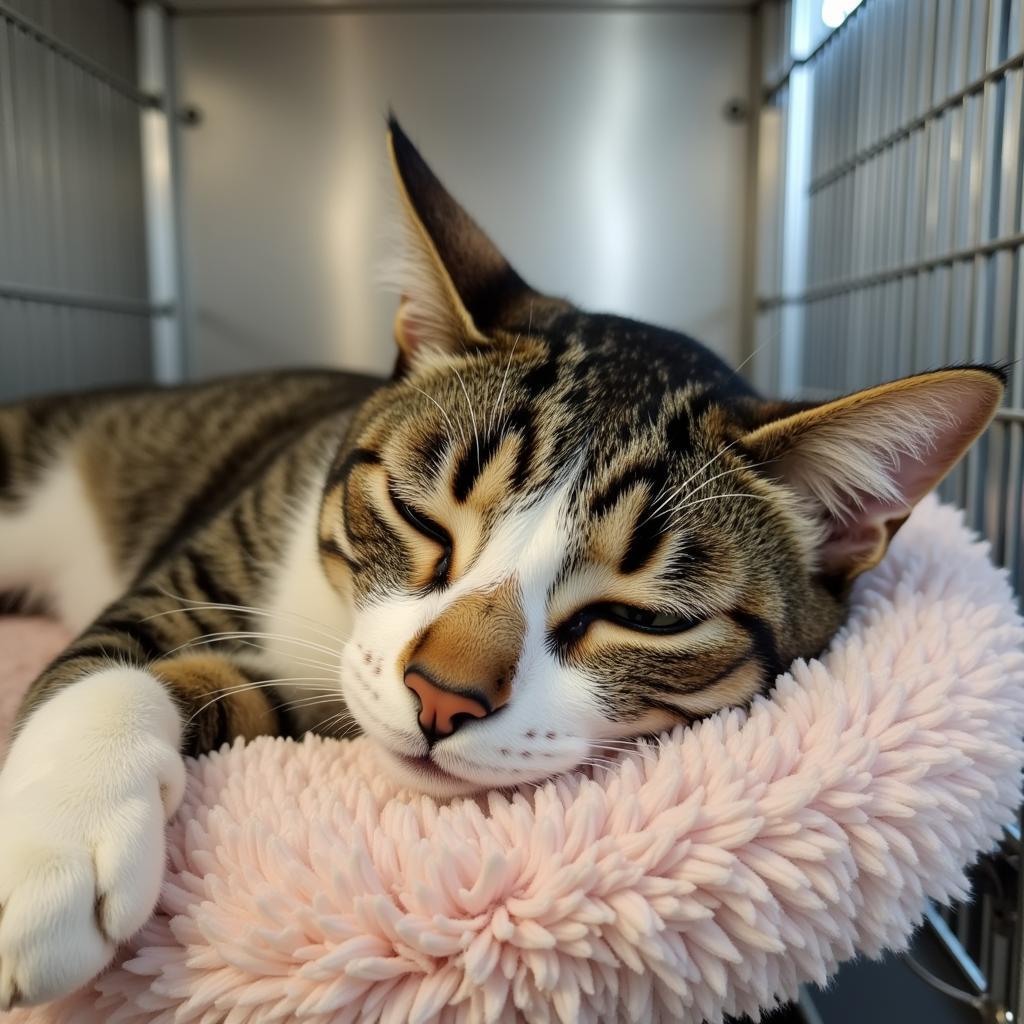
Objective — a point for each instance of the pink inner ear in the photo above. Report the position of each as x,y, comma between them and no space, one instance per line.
409,330
862,535
871,520
867,459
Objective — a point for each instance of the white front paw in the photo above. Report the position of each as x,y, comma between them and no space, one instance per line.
84,795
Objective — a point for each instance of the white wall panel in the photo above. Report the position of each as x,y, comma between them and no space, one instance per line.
590,144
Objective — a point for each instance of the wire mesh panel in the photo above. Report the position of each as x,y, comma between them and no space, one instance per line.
73,291
100,30
906,257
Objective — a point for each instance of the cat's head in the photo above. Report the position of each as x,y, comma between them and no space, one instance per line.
559,529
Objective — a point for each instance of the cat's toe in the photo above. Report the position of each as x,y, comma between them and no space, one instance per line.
67,904
49,941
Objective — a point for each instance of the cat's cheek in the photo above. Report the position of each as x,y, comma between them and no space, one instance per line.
85,792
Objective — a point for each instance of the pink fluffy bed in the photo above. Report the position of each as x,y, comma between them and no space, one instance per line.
710,873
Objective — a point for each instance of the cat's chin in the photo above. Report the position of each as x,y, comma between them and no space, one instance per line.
425,776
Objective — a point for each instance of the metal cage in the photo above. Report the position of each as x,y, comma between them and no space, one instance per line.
890,181
87,263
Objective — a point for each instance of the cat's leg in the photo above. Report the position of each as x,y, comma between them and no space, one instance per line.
94,771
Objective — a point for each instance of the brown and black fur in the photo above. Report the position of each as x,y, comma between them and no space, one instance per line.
192,488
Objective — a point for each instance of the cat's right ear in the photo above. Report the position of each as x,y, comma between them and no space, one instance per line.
863,461
456,286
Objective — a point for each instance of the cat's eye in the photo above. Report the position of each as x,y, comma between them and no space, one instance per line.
430,529
640,620
644,620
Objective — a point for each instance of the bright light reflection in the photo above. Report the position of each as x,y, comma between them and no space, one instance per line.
609,152
835,12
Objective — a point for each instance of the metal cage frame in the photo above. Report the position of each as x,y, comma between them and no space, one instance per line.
89,266
890,183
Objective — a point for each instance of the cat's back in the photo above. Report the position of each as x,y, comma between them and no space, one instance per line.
235,418
155,463
199,426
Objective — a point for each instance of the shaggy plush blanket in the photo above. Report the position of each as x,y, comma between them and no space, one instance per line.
709,873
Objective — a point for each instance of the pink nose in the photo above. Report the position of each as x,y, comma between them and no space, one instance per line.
442,711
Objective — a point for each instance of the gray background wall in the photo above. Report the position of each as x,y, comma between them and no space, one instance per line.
590,143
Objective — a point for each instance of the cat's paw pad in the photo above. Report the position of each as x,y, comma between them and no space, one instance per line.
69,895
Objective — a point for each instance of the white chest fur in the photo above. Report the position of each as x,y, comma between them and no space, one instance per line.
308,622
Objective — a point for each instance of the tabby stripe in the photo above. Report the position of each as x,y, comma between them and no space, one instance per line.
591,330
144,637
665,702
244,534
357,457
331,548
699,405
194,615
208,711
646,538
432,450
206,583
668,707
91,650
541,378
209,496
473,463
294,472
762,636
733,666
237,469
377,519
678,432
681,429
604,500
520,421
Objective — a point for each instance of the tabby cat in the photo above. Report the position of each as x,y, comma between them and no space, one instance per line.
548,532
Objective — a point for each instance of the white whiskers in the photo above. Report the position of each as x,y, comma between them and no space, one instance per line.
259,684
472,413
501,391
444,413
693,476
191,605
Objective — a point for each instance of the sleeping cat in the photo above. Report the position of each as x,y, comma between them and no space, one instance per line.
550,531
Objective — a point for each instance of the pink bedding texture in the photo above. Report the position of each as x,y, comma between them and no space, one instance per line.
709,873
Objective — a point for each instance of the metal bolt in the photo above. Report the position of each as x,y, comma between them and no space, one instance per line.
735,110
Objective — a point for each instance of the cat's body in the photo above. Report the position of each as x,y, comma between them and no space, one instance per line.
550,532
106,508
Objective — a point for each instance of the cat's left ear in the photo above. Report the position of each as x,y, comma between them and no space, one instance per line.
456,286
865,460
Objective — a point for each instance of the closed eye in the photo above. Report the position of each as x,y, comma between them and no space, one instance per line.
639,620
645,621
429,528
419,521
